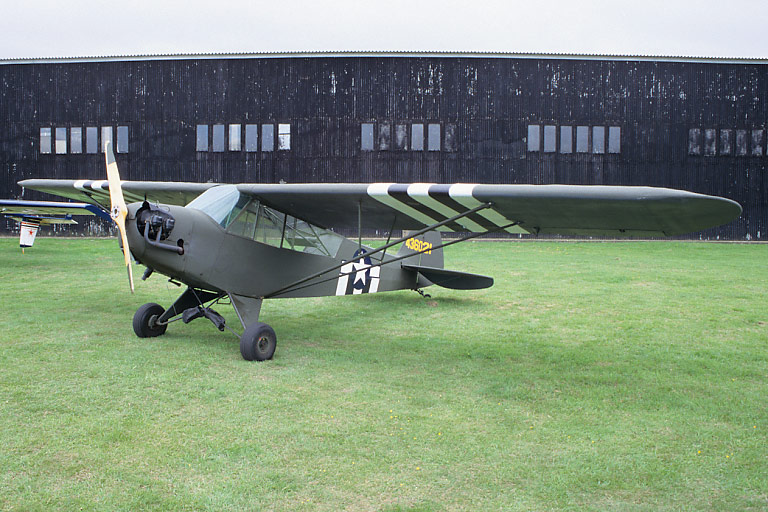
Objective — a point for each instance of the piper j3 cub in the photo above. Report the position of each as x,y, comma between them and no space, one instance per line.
251,242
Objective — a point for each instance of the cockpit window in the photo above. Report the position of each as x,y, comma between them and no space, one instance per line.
244,216
303,236
222,203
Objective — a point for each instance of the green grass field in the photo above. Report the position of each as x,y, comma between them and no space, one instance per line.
592,376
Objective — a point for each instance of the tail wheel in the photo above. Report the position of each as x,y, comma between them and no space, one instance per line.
144,321
258,342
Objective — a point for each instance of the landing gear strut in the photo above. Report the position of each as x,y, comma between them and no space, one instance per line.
257,343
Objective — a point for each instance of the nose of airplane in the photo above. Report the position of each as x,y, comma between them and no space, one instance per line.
175,241
150,229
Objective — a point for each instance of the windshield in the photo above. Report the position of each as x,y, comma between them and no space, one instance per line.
221,203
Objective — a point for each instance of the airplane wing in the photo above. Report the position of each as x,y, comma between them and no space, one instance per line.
48,212
592,210
33,214
97,191
540,209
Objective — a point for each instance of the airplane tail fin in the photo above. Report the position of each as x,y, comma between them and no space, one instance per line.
423,244
28,231
430,266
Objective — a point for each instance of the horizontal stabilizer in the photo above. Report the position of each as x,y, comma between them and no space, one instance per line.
453,279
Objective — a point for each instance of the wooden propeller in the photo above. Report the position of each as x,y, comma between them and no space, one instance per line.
118,209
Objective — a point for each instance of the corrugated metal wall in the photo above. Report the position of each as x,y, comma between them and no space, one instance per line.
487,102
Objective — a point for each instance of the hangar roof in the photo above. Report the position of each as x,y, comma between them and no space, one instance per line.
444,54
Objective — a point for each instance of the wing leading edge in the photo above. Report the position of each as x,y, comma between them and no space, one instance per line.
593,210
97,191
547,209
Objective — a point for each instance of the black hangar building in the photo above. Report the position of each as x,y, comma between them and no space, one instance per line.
689,123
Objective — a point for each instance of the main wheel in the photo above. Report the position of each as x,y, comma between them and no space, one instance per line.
144,321
258,342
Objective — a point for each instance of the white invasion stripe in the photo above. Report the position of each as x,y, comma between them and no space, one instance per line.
99,188
375,273
341,284
420,192
380,192
101,195
462,193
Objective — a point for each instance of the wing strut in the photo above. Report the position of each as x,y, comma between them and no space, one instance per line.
360,225
292,286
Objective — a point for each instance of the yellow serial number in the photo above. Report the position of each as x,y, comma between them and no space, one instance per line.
417,245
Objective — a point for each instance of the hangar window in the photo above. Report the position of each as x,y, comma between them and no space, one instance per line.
235,137
45,140
566,139
267,137
550,138
61,141
385,135
694,141
76,140
582,139
401,137
366,137
433,137
122,139
450,137
726,142
251,137
92,140
598,140
218,138
710,142
106,136
731,142
741,142
594,139
757,142
284,136
417,137
202,137
614,139
534,137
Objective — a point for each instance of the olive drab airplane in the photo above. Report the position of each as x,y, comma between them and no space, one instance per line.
251,242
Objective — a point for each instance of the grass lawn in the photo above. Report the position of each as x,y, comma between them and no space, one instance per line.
592,376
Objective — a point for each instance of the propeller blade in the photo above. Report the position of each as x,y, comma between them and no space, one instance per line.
118,208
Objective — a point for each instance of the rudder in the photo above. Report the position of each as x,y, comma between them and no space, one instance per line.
424,244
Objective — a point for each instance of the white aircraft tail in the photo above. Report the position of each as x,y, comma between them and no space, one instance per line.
28,232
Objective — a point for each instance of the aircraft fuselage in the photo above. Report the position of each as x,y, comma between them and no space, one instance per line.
216,260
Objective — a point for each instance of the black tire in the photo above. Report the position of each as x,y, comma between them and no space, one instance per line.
144,321
258,342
